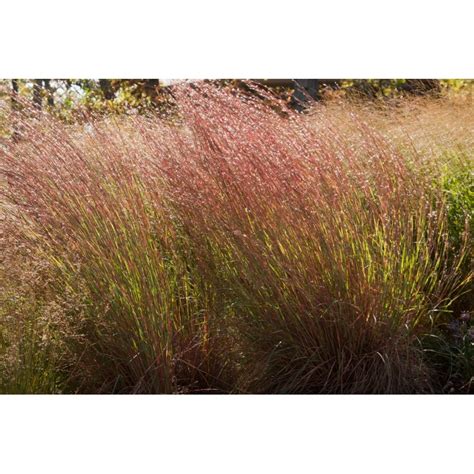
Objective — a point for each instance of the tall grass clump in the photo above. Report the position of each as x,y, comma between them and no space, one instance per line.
85,204
241,247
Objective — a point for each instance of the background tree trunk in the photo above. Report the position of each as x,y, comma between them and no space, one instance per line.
106,89
15,94
37,97
305,90
47,86
15,109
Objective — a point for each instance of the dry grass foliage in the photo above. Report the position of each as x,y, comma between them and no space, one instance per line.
240,248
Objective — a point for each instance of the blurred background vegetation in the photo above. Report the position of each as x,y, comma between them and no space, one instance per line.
68,98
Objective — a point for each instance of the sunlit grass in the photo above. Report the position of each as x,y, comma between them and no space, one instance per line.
238,249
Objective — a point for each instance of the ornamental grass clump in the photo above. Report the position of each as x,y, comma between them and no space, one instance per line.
240,247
